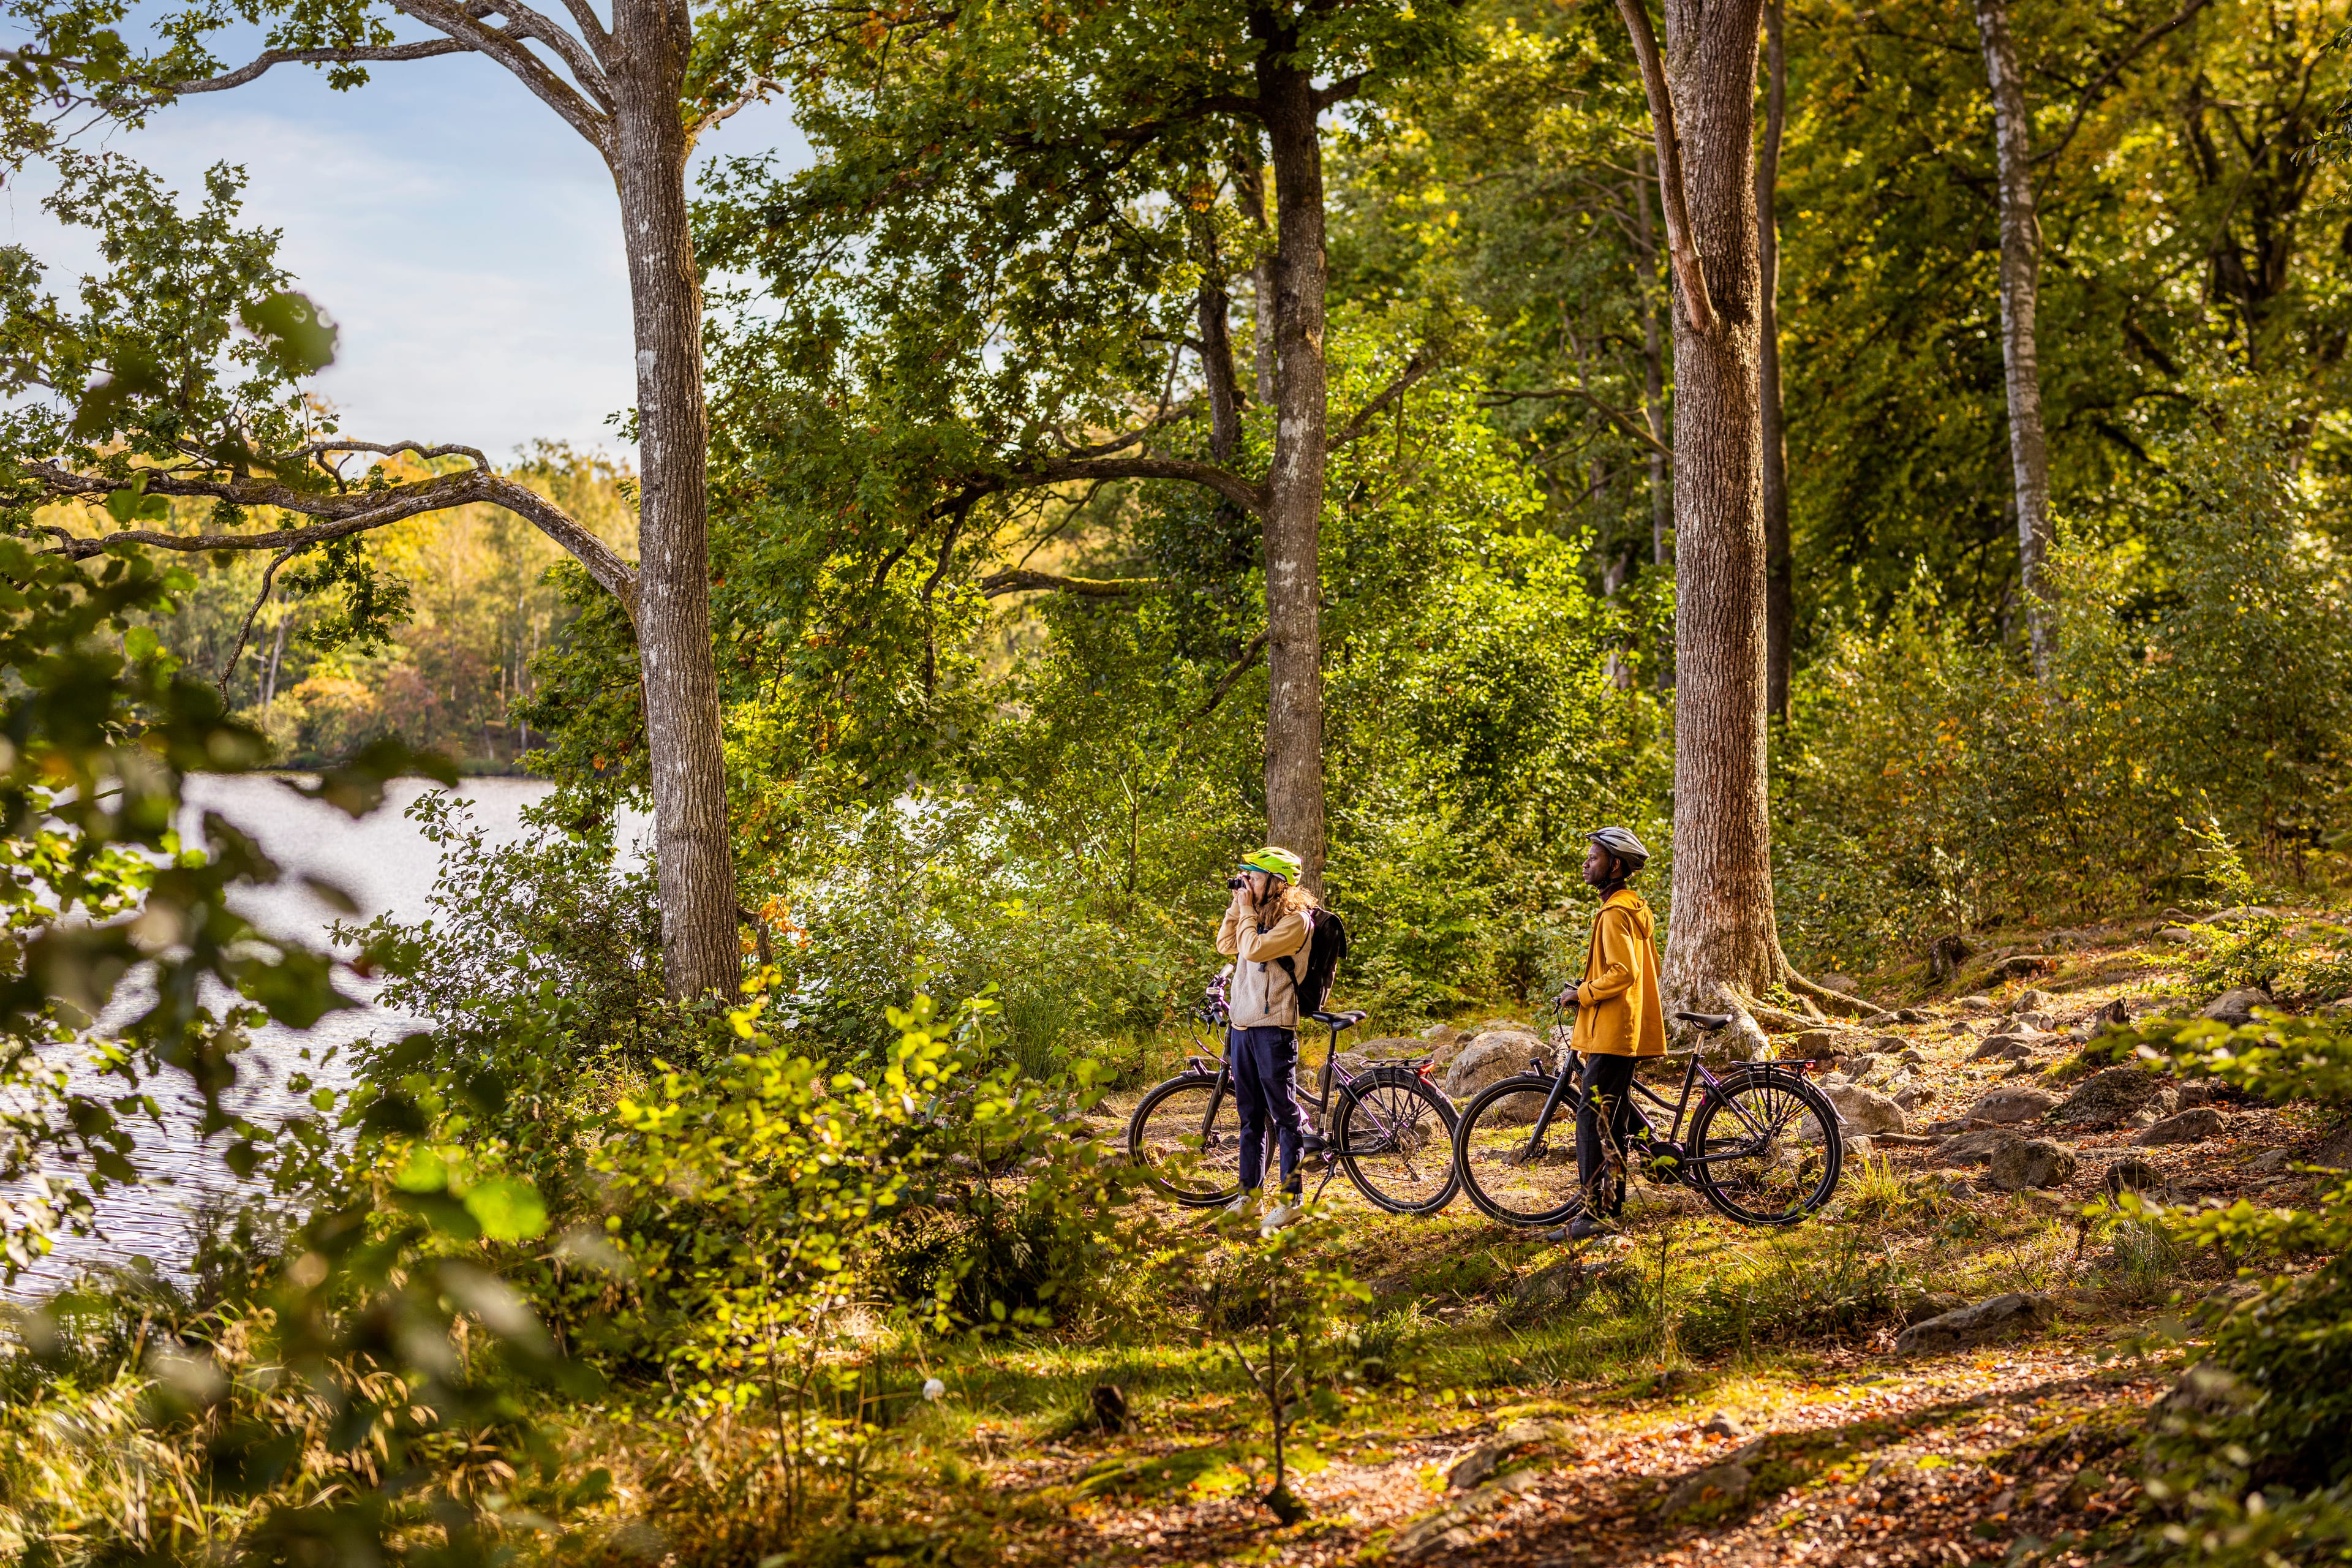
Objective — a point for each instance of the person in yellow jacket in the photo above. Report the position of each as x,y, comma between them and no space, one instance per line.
1620,1016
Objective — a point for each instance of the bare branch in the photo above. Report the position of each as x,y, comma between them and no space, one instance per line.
253,69
1414,369
1250,497
757,92
1020,580
391,449
342,514
1166,416
1696,304
464,24
586,64
1225,682
1634,425
268,577
2090,95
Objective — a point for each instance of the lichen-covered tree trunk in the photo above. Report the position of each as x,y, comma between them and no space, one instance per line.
1779,560
1294,719
1723,932
700,953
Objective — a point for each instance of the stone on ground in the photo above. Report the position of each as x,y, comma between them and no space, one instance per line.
2030,1162
1491,1058
2189,1127
2235,1008
1974,1325
1865,1110
2116,1095
2005,1106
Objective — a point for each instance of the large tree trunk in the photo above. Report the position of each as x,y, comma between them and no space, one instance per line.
1779,565
1294,719
2021,260
1723,933
1653,366
700,953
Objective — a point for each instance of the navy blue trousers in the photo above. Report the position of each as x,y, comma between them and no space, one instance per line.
1262,1061
1608,1093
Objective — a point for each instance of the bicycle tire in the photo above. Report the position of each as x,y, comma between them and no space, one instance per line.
1394,1136
1785,1174
1189,1149
1489,1142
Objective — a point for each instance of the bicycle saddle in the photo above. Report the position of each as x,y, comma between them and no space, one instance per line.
1341,1020
1705,1020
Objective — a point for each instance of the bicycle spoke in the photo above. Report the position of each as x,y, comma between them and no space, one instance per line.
1187,1135
1509,1172
1394,1143
1766,1150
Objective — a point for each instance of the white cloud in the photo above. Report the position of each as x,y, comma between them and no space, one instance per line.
466,241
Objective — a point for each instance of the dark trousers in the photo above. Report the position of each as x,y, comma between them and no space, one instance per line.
1608,1091
1262,1061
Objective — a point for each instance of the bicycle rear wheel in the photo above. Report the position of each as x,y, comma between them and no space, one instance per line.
1395,1136
1506,1169
1766,1148
1186,1133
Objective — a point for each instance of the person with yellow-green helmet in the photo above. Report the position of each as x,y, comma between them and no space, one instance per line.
1269,918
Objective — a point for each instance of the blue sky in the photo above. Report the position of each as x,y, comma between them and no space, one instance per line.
466,239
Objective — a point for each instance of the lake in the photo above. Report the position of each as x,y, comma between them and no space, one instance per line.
387,867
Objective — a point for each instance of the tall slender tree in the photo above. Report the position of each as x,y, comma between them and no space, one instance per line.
2021,265
627,90
1011,178
1723,942
1780,563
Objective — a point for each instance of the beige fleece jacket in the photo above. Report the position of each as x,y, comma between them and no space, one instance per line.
1262,995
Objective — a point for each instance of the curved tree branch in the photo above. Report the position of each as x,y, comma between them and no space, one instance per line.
1696,303
1020,580
268,577
253,69
1414,369
341,514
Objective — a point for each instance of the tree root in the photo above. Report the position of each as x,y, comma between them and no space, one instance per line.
1835,1001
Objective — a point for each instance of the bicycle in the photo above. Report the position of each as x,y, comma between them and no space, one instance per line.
1391,1129
1764,1146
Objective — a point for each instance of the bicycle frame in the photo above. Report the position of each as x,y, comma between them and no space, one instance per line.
1319,1108
1695,1075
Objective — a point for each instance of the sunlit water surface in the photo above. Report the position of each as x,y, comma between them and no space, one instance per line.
387,867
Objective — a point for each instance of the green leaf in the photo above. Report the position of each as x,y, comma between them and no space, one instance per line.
140,642
508,1209
298,334
425,1172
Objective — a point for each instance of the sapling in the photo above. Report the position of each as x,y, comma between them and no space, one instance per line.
1271,1314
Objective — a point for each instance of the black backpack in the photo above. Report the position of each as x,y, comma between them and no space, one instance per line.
1325,949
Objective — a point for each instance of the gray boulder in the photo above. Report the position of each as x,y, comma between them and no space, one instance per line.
2007,1107
1977,1004
2271,1161
2031,1001
1973,1148
1978,1324
1723,1485
1492,1057
1865,1110
2235,1008
2030,1162
2189,1127
2003,1048
2116,1095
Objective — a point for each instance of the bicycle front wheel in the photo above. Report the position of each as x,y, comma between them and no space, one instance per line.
1186,1134
1395,1136
1513,1170
1766,1149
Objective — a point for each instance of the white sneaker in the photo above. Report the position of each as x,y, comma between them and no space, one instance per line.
1243,1204
1275,1219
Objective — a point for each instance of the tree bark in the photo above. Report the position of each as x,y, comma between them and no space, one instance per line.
2021,262
693,859
1294,720
1779,565
1654,367
1723,937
